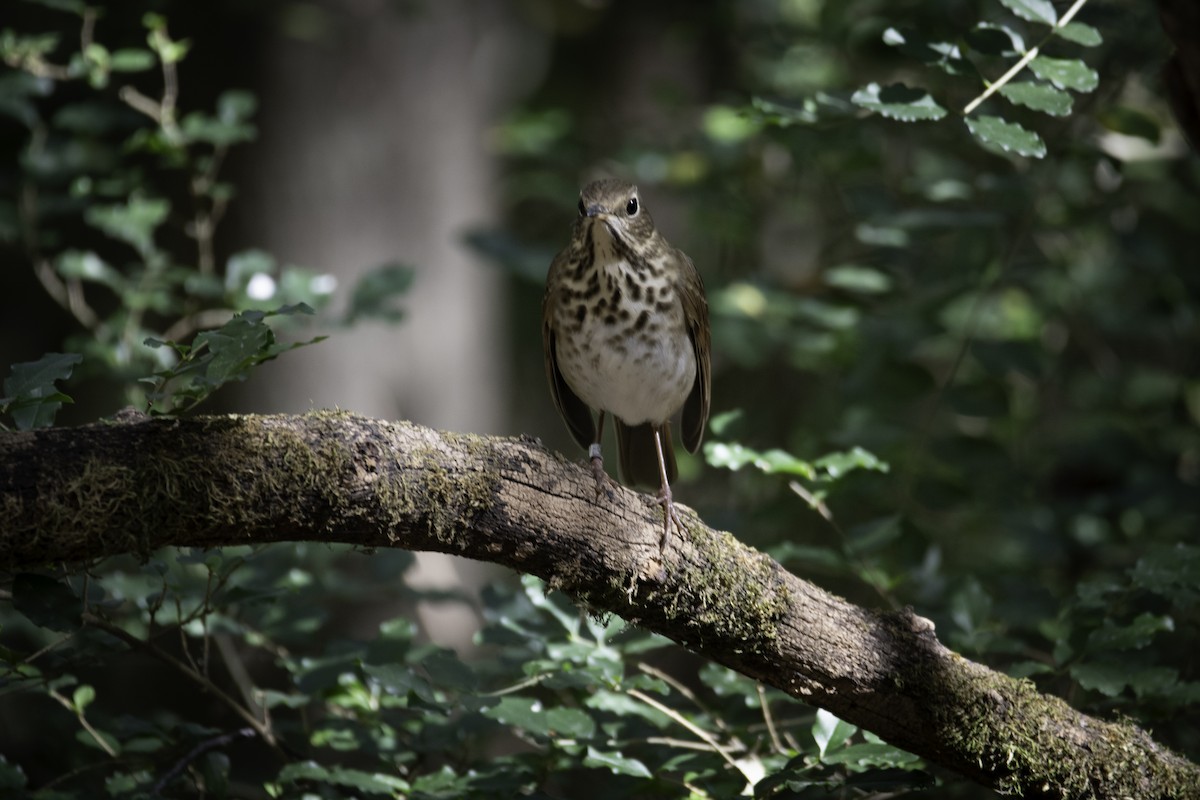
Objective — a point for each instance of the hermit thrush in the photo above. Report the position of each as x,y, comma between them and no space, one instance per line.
625,332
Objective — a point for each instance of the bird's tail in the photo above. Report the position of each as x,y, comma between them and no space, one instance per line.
639,459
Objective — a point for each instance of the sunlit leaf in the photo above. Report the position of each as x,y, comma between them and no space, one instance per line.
1038,96
1080,33
357,780
1066,73
1008,136
829,732
899,102
616,763
1033,10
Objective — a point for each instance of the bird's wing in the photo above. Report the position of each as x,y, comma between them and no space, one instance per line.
695,315
573,410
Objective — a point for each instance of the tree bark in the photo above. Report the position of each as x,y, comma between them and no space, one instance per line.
71,495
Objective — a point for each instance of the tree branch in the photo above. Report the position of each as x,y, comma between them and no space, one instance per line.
85,493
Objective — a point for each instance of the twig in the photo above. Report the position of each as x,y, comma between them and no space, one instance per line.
766,709
87,726
699,732
197,751
241,677
1025,59
865,575
263,730
683,690
139,102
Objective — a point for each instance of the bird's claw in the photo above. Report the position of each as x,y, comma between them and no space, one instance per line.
669,515
603,479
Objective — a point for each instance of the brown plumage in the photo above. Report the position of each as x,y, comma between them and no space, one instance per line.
625,332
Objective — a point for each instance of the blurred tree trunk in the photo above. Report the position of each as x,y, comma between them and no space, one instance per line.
374,150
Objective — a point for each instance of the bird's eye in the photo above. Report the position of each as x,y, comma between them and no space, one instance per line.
582,208
631,207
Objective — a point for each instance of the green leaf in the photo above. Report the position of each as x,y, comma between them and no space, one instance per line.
535,590
838,464
726,683
1133,636
913,44
616,763
734,456
1131,122
1080,33
400,680
899,102
235,346
200,127
531,716
865,755
1169,571
854,278
1155,681
445,669
1066,73
1007,136
730,126
87,266
131,60
829,732
236,106
134,221
30,394
377,294
46,602
358,780
996,40
91,118
788,552
1108,679
219,356
1038,96
1033,10
82,698
622,705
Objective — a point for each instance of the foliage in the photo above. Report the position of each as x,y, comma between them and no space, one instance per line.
569,695
31,396
972,356
133,167
1006,319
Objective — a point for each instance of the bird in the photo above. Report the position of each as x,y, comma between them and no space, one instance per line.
625,333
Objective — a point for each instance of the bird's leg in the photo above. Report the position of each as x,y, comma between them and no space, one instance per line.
602,479
664,496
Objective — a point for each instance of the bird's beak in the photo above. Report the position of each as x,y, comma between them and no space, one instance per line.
595,210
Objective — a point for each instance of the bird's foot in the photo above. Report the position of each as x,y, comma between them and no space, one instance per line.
669,515
603,479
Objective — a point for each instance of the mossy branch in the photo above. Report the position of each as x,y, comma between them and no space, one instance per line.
73,495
